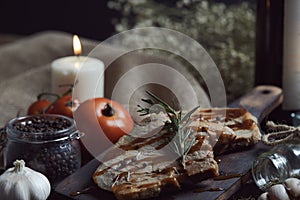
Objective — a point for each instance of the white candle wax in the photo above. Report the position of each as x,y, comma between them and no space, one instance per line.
87,72
291,52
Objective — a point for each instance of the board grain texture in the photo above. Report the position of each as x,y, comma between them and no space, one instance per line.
260,102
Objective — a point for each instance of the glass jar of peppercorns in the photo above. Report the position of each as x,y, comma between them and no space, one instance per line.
47,143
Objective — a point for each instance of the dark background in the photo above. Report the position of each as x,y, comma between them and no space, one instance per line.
88,18
93,19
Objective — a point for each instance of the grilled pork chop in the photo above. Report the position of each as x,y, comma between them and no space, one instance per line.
141,167
229,129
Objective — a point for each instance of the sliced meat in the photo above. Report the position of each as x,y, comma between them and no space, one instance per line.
146,167
228,129
143,163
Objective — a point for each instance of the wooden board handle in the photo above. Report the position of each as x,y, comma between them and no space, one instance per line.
261,101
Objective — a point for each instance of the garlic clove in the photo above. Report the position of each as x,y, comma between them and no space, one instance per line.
278,192
263,196
292,185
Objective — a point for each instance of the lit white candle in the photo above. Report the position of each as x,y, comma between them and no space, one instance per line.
291,52
87,72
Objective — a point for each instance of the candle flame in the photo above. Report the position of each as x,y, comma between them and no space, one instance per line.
76,45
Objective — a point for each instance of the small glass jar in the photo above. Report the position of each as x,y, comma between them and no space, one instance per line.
276,165
47,143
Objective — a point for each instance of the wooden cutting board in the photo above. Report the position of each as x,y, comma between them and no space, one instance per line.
235,168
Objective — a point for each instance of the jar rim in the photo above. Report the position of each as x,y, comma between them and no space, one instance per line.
41,137
269,168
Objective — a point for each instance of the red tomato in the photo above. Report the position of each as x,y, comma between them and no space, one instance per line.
114,119
64,106
38,107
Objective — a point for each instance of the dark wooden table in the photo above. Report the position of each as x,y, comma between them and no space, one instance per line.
259,103
248,192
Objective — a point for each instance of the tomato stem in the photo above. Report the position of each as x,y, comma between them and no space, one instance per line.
71,87
108,110
69,91
39,97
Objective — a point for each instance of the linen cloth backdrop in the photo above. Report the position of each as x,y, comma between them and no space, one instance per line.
25,71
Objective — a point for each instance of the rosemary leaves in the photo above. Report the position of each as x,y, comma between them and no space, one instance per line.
182,141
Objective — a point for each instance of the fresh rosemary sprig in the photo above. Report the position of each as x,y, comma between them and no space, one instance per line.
182,141
172,114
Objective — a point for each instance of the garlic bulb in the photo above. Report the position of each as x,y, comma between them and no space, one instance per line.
23,183
278,192
263,196
290,190
292,185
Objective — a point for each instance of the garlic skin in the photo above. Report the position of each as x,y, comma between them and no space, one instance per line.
278,192
292,185
263,196
23,183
